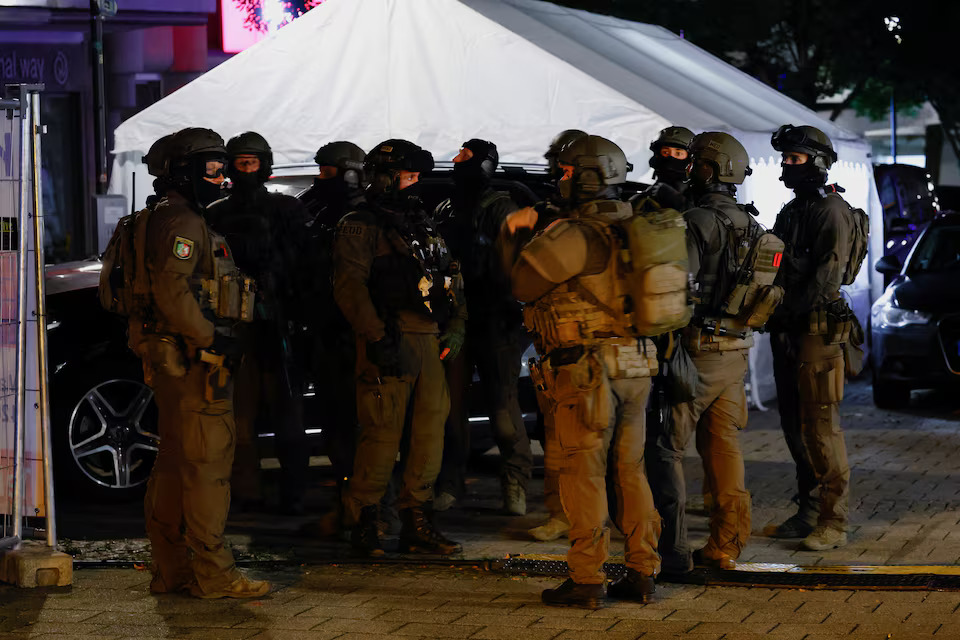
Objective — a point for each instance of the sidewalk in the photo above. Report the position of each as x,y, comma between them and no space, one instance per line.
905,508
371,602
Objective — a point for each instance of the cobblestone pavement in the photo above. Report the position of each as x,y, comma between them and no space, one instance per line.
905,508
373,602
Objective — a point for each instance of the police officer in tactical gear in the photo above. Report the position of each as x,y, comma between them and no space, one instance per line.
808,362
515,233
330,343
669,162
197,298
395,283
158,165
719,346
263,229
470,223
594,374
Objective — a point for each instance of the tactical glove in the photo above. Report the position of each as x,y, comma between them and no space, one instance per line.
451,342
384,354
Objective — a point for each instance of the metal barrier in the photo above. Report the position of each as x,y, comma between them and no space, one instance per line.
26,475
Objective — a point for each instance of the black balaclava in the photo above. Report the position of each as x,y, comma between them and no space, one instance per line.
246,182
471,177
803,177
331,190
668,169
194,183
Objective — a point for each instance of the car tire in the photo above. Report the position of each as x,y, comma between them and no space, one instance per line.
890,395
104,433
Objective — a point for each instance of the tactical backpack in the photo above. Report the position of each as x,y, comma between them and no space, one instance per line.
656,268
124,283
859,243
751,262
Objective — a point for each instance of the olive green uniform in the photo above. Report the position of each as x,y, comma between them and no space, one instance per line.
719,409
188,495
375,285
808,363
594,376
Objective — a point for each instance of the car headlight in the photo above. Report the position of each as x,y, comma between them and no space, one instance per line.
887,314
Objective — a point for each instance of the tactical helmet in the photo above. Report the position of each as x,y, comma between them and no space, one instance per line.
673,136
383,162
562,139
806,139
346,157
730,159
191,151
157,158
597,163
193,141
254,144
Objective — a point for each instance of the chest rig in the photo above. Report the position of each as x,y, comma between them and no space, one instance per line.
590,313
227,293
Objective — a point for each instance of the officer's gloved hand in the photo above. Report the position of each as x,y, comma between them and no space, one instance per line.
667,196
385,355
451,342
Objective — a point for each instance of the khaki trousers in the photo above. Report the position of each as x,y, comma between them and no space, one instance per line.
716,415
810,376
382,407
584,455
188,495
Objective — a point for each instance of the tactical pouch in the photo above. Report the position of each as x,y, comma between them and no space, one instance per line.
165,356
680,374
217,381
817,321
236,298
634,359
853,350
585,382
763,303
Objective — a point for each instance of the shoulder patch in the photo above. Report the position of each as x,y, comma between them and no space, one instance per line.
182,248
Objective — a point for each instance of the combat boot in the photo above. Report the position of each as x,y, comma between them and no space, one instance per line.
633,586
418,535
364,538
571,594
514,498
724,562
550,530
242,587
823,538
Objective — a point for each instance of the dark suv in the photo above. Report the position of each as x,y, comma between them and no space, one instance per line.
915,324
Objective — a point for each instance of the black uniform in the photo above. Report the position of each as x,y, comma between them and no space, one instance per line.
471,227
262,229
330,342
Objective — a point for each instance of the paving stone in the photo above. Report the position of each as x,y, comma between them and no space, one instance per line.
497,632
284,634
359,626
433,616
513,620
363,612
427,630
584,624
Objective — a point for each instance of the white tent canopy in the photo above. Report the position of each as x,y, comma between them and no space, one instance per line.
516,72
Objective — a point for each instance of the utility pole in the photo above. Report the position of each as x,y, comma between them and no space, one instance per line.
99,9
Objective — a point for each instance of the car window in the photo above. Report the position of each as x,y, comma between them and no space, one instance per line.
938,250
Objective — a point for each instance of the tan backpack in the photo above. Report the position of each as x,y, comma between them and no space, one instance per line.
657,268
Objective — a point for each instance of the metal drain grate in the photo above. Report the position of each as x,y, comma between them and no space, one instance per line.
928,578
